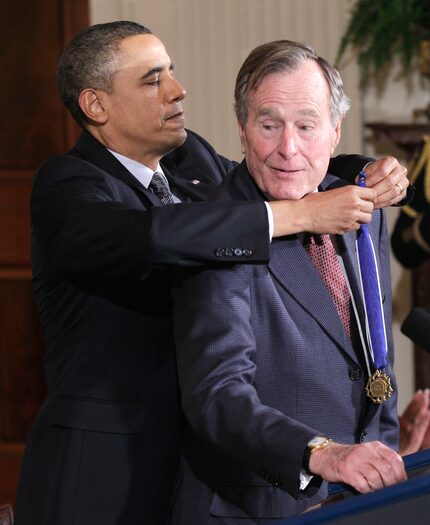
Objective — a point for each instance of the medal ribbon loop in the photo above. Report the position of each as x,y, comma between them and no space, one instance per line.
375,325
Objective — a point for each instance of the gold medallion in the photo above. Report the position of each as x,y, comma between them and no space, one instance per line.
379,387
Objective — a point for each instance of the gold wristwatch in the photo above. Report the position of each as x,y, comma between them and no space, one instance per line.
316,443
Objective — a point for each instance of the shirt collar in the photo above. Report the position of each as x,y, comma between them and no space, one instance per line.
141,172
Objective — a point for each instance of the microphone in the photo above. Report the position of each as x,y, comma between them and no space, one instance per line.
416,326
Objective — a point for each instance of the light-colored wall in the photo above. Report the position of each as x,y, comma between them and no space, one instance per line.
209,39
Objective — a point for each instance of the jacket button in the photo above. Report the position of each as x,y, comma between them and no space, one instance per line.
219,252
354,374
246,252
363,436
229,252
238,252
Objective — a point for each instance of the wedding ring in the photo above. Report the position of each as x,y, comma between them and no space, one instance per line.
399,186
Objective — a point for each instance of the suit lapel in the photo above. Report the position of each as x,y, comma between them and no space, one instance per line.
291,266
348,251
90,149
93,151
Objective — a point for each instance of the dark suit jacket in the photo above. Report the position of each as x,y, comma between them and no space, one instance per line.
264,365
105,446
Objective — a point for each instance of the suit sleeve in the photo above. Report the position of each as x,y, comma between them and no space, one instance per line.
197,159
217,367
83,226
347,167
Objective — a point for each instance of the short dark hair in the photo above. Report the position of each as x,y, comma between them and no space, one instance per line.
284,56
90,61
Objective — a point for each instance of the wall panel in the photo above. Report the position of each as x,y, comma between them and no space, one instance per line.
35,125
15,187
22,384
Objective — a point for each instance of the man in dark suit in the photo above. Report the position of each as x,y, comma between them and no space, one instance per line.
104,448
273,360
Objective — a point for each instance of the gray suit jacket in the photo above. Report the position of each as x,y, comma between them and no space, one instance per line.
264,365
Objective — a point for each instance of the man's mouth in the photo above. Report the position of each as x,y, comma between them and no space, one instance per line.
178,115
285,171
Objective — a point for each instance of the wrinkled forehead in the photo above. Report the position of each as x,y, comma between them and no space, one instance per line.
304,87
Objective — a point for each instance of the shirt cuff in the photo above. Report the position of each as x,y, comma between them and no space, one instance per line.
305,479
271,221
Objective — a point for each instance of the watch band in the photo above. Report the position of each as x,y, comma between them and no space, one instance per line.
316,443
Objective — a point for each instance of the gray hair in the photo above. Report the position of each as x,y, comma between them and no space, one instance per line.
90,61
285,56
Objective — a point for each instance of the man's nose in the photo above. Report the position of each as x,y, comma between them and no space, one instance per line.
176,90
287,145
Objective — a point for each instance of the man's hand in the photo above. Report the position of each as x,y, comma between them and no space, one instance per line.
415,424
365,467
339,210
335,211
389,179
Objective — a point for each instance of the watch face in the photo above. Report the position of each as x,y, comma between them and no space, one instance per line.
317,441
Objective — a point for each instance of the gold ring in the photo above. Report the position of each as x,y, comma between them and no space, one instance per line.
399,186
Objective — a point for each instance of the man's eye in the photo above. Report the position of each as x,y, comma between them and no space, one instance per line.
269,127
154,82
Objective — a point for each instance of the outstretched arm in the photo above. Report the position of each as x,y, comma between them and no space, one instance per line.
336,211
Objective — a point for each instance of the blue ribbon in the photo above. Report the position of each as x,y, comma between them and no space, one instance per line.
376,334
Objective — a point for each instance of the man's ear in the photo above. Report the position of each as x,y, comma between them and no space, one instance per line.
336,136
91,104
242,136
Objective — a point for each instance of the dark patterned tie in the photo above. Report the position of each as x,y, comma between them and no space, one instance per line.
160,187
324,258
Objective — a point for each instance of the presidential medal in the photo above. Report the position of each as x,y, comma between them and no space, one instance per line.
379,387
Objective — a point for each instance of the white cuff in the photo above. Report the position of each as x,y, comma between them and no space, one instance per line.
305,479
271,221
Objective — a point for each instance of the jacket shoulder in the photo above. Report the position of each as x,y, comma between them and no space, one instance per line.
197,159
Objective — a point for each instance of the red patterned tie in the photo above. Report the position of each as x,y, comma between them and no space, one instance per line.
323,255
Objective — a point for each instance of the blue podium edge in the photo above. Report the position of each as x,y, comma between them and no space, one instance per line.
366,502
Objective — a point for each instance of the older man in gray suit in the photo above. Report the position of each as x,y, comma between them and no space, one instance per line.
273,360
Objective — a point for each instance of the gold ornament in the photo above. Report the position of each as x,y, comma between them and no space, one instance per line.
379,387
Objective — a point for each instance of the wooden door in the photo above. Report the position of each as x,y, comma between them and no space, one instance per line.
34,126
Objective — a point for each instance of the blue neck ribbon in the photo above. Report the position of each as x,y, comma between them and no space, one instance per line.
375,325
